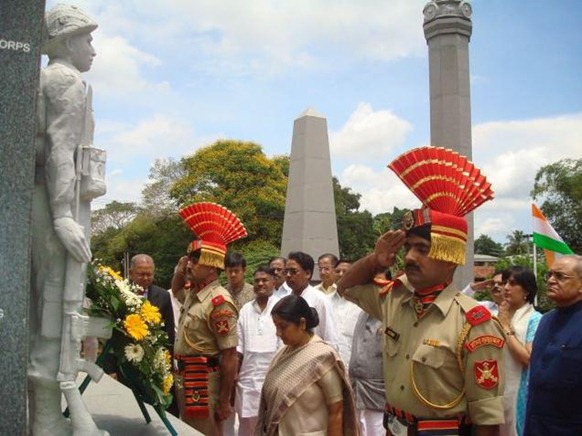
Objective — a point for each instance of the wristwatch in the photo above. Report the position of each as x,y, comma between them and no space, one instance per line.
509,333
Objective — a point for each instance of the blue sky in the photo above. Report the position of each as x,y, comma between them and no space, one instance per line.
176,75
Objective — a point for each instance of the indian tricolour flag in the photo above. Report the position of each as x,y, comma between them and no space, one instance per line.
544,236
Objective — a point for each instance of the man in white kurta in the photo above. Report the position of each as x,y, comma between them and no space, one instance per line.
257,344
326,329
346,314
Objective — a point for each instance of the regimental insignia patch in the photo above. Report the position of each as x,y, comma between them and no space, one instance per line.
486,373
477,315
481,341
222,327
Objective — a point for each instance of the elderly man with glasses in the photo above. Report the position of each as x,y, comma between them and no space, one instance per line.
555,379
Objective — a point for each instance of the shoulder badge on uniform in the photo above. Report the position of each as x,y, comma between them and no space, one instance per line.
477,315
480,341
486,373
218,300
224,313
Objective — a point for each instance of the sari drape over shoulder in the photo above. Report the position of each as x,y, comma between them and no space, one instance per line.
291,373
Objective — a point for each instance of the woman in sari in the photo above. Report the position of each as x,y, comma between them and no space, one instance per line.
306,389
520,321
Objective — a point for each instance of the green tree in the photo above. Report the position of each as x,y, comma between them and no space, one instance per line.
388,221
517,243
165,238
114,215
156,197
485,245
354,235
240,177
560,186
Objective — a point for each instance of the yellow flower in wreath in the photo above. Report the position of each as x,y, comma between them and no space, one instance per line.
111,272
150,313
135,327
168,382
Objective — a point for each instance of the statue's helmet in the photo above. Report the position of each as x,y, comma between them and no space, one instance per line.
63,21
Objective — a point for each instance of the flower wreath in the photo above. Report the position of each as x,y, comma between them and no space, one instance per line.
139,341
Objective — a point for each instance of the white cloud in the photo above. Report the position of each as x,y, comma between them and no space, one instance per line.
121,67
381,190
266,37
121,188
157,136
368,134
511,152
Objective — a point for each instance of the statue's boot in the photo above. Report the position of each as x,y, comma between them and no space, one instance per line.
46,413
81,420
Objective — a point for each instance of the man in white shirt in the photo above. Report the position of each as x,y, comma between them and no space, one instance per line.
326,265
277,264
346,315
299,270
257,344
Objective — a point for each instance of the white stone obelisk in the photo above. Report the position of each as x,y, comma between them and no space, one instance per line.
310,221
447,29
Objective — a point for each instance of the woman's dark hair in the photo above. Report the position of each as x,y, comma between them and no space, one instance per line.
525,278
292,308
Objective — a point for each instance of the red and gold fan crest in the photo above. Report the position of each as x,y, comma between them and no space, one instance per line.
443,180
216,227
449,186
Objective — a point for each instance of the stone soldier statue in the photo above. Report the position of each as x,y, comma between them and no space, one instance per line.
206,341
69,173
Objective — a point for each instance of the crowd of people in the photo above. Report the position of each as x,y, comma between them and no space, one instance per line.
365,353
371,350
288,380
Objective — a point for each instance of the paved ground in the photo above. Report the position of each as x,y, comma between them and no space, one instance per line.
114,409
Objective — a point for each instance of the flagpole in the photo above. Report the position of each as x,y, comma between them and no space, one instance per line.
535,270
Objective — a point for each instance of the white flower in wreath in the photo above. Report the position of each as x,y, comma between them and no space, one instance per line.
160,360
134,353
130,298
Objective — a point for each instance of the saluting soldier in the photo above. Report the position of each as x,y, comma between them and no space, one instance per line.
443,351
205,346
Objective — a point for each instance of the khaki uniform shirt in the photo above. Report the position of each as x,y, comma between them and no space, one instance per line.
423,353
207,322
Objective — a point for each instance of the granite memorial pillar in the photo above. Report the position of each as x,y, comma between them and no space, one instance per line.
310,221
447,29
21,23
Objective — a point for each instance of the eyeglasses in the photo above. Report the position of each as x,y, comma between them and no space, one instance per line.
291,271
559,276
